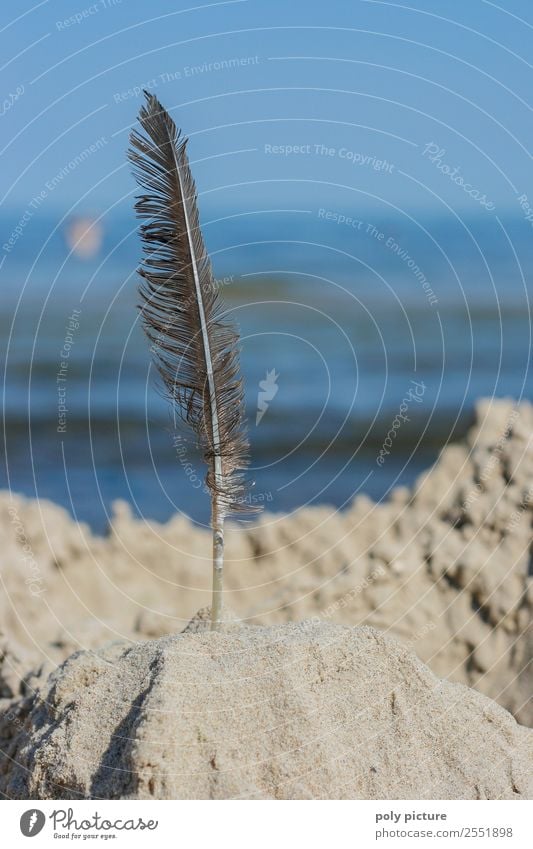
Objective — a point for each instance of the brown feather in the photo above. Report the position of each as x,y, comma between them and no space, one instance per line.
195,346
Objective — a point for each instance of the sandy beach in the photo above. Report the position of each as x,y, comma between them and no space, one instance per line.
433,582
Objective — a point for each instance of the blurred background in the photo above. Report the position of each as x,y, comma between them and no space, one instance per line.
365,188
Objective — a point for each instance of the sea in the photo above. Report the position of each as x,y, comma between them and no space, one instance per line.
365,343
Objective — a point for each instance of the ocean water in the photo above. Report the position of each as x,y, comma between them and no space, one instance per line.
365,344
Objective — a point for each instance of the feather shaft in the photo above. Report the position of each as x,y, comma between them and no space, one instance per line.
195,347
205,340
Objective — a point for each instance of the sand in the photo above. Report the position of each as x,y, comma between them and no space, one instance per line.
308,711
443,568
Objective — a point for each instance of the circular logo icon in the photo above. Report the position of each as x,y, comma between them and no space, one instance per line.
32,822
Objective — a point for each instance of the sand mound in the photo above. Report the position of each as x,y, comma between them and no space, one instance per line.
443,567
308,711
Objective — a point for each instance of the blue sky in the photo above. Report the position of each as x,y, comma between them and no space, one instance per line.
249,81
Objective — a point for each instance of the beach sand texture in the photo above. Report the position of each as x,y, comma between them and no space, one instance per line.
442,569
297,711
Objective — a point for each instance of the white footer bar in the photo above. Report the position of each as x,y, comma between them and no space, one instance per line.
269,825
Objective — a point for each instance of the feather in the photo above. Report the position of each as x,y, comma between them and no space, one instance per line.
195,346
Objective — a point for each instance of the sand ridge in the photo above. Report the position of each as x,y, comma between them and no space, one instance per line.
443,566
297,711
